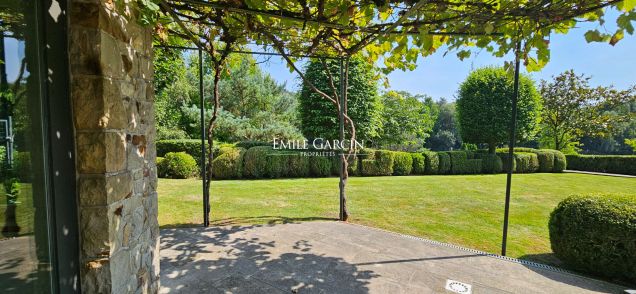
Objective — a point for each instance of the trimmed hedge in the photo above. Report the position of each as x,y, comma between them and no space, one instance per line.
296,165
615,164
444,163
596,234
419,163
250,144
432,162
177,165
546,161
256,161
190,146
490,163
473,166
526,162
320,166
22,166
382,165
229,164
458,162
402,163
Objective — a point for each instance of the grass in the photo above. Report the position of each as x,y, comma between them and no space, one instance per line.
463,210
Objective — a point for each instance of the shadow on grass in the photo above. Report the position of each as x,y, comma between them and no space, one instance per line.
254,220
552,260
225,260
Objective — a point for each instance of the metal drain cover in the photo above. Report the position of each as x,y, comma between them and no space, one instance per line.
458,287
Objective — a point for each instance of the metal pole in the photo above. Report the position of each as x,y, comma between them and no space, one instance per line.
511,148
206,198
341,125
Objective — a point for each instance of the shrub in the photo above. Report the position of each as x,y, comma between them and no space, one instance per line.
474,166
444,163
458,160
491,163
190,146
560,161
255,162
506,163
402,163
158,160
297,165
320,166
432,162
250,144
419,163
382,165
229,164
596,234
616,164
177,165
274,166
384,160
526,162
546,161
369,167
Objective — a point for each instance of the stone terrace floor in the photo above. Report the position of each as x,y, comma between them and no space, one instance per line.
336,257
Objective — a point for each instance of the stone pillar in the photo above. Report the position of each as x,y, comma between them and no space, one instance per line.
112,94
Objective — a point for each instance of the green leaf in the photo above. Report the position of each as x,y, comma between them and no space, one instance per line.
627,5
617,37
594,36
489,28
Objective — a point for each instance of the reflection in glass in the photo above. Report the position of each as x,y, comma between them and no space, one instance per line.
24,249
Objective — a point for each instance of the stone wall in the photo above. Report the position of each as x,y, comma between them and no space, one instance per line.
112,94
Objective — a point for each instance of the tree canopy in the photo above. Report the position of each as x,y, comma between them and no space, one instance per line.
484,107
573,109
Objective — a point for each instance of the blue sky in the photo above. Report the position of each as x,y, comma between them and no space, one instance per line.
440,76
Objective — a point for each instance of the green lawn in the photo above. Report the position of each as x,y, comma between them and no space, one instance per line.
24,214
463,210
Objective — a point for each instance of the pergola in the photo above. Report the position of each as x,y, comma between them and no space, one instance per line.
393,31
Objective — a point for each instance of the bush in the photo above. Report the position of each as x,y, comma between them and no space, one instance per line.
505,162
190,146
384,160
474,166
274,166
560,161
596,234
419,164
320,166
382,165
250,144
616,164
158,160
526,162
458,160
432,162
177,165
444,163
255,161
546,161
229,164
491,163
402,163
297,165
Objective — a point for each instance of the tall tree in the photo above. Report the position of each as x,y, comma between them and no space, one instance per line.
319,119
573,109
484,107
407,120
445,135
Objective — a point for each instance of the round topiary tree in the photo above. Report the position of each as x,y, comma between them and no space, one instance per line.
319,117
484,107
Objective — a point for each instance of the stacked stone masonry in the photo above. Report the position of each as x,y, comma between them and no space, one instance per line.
112,94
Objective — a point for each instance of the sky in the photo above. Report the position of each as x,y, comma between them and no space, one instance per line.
439,76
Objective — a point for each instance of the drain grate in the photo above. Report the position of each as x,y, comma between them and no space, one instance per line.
458,287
